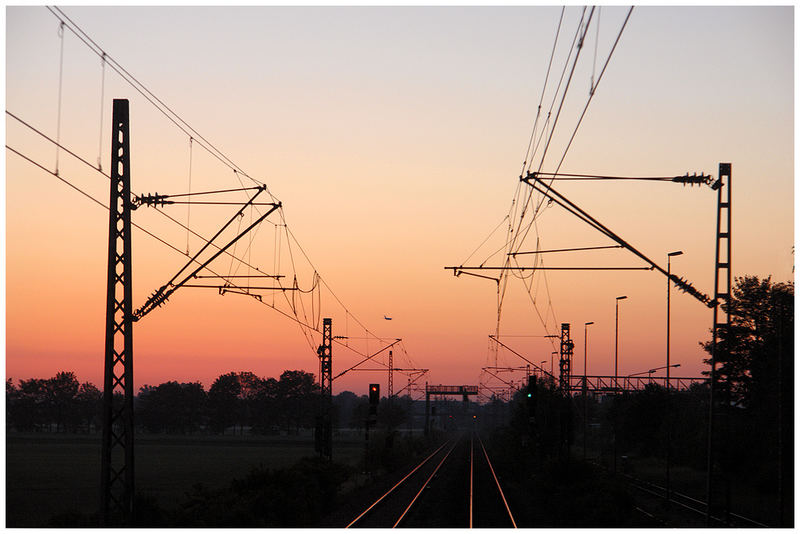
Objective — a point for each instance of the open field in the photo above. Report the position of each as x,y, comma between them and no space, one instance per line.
52,473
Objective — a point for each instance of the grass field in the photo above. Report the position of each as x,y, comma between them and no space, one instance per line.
52,473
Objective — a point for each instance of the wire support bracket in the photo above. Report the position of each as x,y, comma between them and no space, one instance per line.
547,190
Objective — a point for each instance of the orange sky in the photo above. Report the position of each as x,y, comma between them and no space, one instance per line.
394,138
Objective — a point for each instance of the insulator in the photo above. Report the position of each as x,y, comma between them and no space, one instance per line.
154,200
693,179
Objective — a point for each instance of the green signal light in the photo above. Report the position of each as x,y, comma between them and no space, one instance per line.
529,395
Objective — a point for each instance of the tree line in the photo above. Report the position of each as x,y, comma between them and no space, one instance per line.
236,401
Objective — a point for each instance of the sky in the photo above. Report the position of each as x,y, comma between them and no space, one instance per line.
394,138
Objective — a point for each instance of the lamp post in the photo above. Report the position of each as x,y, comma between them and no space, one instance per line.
616,342
616,374
551,362
552,336
585,387
662,367
585,332
651,371
670,255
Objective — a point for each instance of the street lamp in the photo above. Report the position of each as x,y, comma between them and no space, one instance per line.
551,362
616,373
585,332
667,367
616,342
585,387
670,255
553,336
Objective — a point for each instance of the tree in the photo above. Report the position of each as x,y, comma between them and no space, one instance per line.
29,410
265,412
297,396
60,394
759,337
223,402
171,407
755,373
89,402
193,402
249,396
11,399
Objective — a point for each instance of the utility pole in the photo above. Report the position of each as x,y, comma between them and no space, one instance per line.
116,467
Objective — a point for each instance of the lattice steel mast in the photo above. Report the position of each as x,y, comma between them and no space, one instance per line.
325,426
718,408
565,362
117,449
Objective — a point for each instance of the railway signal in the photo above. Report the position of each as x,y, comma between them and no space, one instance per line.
531,396
374,398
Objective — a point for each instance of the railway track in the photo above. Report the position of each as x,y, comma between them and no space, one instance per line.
683,503
690,504
456,487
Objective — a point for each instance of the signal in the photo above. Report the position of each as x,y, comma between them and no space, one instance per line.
374,394
531,395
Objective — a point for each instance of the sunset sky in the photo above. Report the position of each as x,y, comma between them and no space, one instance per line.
394,138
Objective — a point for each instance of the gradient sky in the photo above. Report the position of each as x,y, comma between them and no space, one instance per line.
394,138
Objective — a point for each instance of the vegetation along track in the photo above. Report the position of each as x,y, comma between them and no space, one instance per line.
455,487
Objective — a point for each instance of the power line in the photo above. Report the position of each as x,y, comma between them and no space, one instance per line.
594,88
176,249
147,94
187,129
544,87
99,171
566,89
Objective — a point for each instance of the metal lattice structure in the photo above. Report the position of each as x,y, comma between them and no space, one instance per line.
325,427
391,378
117,448
609,384
464,391
719,391
565,361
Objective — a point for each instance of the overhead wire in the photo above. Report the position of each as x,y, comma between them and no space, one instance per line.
516,236
165,242
594,85
546,77
102,98
189,205
592,93
60,85
172,116
107,176
596,42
